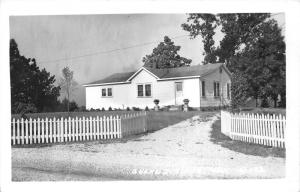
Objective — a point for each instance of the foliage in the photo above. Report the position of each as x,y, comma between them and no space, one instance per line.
165,55
30,86
66,106
109,109
23,108
146,108
252,45
68,84
127,109
239,90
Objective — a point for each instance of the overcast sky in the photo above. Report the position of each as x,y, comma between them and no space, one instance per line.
49,38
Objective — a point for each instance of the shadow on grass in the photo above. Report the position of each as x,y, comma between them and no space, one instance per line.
219,138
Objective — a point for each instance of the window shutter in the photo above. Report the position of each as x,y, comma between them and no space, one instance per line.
214,89
203,88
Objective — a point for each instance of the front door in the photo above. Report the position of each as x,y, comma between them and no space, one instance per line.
178,93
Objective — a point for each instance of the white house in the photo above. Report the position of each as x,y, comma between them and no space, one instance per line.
204,85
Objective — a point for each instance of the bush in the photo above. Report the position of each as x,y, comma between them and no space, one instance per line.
109,109
23,108
156,101
92,109
136,109
146,108
127,109
103,109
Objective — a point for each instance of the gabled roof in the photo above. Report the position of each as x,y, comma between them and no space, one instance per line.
195,70
114,78
161,74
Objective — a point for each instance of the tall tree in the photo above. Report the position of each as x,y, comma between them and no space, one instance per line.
165,55
31,87
68,84
252,45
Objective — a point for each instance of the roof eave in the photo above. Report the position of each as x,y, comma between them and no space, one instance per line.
176,78
103,84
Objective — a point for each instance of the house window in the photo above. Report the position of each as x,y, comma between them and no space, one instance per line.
203,88
228,90
140,90
144,90
216,89
107,92
179,86
148,90
104,92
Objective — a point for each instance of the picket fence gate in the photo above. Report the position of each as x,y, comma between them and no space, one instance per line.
57,130
254,128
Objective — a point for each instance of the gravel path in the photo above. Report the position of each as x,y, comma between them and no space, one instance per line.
180,151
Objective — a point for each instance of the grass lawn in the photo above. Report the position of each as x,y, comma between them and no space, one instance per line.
247,148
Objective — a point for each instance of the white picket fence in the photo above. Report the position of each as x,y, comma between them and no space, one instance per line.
254,128
52,130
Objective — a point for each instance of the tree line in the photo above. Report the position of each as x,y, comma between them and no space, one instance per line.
33,89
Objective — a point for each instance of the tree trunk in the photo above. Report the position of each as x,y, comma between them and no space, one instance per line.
275,102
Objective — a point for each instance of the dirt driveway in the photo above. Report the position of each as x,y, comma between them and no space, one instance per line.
180,151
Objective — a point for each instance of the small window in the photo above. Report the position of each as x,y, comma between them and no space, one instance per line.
228,90
216,89
179,86
148,90
109,92
203,88
140,90
103,92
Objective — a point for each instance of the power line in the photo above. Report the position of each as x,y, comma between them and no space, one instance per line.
108,51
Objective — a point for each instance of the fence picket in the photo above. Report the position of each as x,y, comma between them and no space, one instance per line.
30,131
54,130
22,131
46,129
14,131
97,128
93,128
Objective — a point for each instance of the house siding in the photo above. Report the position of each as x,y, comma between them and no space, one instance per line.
125,95
209,99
